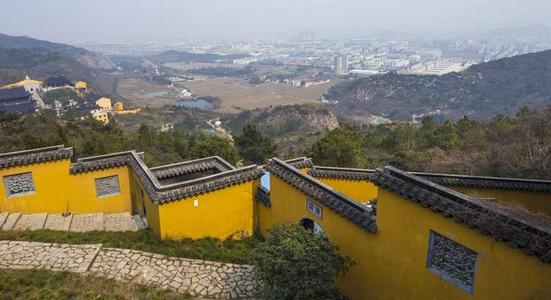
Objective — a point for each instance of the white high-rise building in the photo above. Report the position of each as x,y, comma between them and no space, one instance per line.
341,64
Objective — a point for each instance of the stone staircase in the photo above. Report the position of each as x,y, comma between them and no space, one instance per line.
75,223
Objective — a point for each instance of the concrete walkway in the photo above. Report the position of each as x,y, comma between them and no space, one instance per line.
197,277
77,223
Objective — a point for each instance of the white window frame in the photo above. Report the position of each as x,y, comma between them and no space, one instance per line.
314,208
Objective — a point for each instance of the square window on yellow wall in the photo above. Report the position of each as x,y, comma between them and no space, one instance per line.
19,184
314,208
452,261
107,186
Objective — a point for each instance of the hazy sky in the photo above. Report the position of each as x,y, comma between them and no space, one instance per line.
126,20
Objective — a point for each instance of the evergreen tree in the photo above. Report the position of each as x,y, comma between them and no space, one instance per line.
210,145
253,146
340,147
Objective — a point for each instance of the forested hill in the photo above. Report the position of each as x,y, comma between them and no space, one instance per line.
21,55
480,92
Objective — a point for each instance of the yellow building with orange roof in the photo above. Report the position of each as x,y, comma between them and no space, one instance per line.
81,86
118,109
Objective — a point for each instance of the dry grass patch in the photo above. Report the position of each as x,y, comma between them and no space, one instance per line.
43,284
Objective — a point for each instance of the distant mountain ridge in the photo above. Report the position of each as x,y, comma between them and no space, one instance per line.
21,55
87,58
481,92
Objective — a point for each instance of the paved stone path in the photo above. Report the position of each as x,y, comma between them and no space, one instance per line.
77,223
56,257
197,277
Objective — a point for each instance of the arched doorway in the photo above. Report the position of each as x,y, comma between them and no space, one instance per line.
310,224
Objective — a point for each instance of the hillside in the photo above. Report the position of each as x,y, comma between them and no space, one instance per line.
294,127
40,59
480,92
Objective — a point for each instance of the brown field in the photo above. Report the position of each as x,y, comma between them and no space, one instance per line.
143,93
235,94
239,95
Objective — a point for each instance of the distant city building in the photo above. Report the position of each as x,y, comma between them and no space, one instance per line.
396,63
359,72
437,68
245,61
16,100
341,64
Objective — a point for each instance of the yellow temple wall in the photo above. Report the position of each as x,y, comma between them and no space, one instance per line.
392,263
58,191
534,201
359,190
220,214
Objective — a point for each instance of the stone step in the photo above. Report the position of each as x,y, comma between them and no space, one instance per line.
10,221
87,222
119,222
77,223
3,217
58,222
30,222
141,222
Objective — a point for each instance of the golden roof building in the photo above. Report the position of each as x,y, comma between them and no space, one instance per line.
28,84
119,106
118,109
81,86
104,103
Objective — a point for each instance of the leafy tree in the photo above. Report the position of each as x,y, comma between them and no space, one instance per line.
253,146
209,145
445,136
294,263
342,147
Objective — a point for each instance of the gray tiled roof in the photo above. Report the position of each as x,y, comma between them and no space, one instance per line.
26,157
328,197
100,164
442,179
263,196
207,184
341,173
488,182
160,193
300,162
531,233
203,164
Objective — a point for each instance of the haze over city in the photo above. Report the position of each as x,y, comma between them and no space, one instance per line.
129,20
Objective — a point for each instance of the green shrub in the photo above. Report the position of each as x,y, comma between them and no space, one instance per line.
294,263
